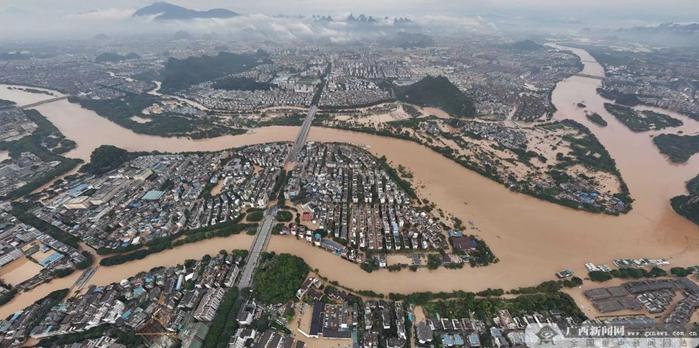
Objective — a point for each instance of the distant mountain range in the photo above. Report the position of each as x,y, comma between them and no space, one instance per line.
167,11
665,34
364,19
666,28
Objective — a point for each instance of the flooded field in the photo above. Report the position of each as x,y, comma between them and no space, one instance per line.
532,238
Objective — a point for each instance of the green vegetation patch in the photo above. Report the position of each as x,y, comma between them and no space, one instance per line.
688,205
278,277
192,236
284,216
641,121
123,335
111,57
679,148
44,306
8,295
434,261
179,74
487,308
437,92
596,119
628,99
105,159
683,271
254,215
6,103
21,211
587,150
411,110
626,273
405,185
224,324
121,110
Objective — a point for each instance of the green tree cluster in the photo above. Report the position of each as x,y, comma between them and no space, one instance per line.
277,278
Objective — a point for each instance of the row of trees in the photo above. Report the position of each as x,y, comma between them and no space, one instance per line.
224,324
221,230
638,273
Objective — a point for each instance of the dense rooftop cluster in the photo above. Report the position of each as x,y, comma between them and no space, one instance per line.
180,300
156,196
506,78
14,124
665,78
350,194
98,80
290,80
37,257
24,168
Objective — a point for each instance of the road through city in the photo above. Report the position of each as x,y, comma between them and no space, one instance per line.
258,246
265,229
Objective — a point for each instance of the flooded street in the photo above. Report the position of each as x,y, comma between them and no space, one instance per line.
532,238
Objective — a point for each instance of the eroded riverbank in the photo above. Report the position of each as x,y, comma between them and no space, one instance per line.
532,238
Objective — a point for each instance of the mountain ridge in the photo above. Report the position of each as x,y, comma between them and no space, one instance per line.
167,11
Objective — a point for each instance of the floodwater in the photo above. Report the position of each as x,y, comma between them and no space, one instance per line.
532,238
216,190
19,270
192,103
171,257
90,130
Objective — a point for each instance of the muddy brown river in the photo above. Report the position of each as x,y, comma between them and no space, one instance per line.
532,238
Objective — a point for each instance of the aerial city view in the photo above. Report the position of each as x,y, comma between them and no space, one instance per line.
346,174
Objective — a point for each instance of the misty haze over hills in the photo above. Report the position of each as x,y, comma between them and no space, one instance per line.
662,34
334,21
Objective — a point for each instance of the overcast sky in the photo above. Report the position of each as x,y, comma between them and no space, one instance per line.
51,19
632,9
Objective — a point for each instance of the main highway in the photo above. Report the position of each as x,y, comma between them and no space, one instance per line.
303,134
258,246
264,231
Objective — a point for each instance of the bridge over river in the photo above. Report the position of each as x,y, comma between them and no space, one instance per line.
35,104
